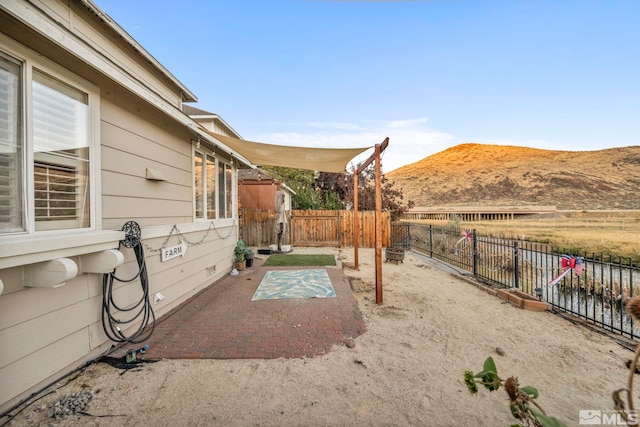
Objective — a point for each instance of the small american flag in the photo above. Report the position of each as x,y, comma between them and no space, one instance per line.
569,263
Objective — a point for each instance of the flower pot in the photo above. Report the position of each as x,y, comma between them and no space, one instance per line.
249,262
239,265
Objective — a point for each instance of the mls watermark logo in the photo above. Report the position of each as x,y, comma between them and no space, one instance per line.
590,417
596,417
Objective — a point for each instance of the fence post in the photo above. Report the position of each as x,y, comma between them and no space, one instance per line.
516,273
474,242
430,241
407,233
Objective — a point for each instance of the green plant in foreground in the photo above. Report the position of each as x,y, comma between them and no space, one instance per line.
522,401
239,251
633,308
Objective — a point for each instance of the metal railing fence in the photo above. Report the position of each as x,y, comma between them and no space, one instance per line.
594,287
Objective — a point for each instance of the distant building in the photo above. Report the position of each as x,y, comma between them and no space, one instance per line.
257,190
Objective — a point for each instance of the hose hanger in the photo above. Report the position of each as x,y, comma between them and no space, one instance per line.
132,234
115,317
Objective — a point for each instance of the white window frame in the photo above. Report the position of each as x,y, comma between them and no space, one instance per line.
217,161
228,195
29,61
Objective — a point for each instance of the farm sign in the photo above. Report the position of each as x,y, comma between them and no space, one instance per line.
171,252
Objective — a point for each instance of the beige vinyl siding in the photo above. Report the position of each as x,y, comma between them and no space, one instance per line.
130,145
215,124
123,209
46,365
25,304
37,324
117,183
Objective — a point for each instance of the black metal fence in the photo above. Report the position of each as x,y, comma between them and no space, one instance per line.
593,287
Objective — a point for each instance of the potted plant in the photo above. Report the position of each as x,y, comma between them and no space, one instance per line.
248,256
239,254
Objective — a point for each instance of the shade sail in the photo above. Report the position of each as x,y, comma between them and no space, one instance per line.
317,159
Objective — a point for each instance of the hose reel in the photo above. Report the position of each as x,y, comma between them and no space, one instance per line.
113,315
132,234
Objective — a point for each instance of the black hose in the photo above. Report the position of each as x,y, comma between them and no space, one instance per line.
113,331
115,317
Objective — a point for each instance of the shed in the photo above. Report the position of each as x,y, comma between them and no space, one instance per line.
257,190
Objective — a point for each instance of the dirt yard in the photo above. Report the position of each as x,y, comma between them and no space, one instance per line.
407,369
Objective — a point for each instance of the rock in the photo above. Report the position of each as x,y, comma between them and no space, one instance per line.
500,351
350,343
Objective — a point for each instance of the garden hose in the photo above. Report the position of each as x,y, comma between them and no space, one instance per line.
114,317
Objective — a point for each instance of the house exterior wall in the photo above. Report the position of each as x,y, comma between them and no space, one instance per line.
215,125
81,21
47,332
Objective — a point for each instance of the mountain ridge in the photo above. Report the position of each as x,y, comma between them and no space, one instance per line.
470,174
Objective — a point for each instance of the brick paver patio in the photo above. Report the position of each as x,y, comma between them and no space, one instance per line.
221,322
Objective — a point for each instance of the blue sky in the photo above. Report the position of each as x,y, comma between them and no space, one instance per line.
562,75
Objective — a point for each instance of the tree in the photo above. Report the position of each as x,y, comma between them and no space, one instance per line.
301,181
392,198
327,190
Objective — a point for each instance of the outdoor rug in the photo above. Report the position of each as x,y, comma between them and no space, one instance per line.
282,284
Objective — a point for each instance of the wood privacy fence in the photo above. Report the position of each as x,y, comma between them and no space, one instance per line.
312,228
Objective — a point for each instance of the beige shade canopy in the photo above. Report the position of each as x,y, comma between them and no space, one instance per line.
317,159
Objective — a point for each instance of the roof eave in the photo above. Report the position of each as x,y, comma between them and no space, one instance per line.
185,93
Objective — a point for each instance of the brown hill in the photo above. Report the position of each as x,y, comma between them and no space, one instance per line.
479,174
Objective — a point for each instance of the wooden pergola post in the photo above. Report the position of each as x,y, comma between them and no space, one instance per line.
379,148
378,227
356,222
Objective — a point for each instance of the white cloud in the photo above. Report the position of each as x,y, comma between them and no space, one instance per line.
410,140
406,123
334,125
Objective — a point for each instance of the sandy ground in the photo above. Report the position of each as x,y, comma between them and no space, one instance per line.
406,370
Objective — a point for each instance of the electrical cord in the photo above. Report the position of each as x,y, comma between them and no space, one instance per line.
36,396
112,324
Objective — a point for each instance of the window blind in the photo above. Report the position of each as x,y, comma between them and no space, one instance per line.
61,154
55,192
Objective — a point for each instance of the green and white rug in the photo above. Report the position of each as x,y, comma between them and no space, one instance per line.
279,284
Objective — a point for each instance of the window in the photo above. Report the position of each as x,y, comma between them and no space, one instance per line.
11,207
61,155
228,186
211,187
225,190
198,181
206,172
205,185
45,155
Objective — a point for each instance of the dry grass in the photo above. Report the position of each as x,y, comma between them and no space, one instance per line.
616,234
